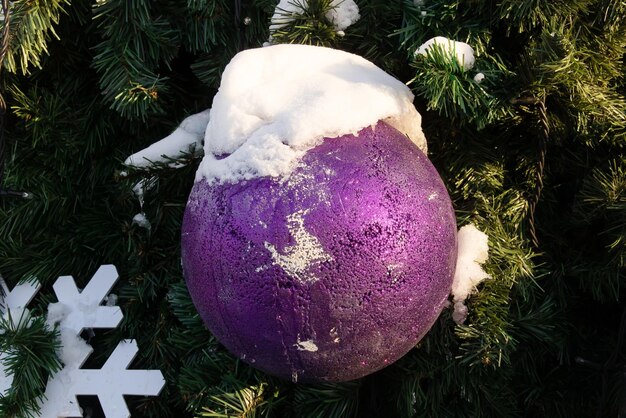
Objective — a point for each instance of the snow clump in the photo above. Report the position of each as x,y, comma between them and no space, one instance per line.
142,221
342,14
463,53
473,251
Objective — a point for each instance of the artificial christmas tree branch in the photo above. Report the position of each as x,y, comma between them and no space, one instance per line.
541,160
4,46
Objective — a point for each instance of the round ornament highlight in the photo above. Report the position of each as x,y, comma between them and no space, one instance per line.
332,272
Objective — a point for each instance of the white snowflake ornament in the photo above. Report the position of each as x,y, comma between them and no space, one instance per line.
110,383
75,311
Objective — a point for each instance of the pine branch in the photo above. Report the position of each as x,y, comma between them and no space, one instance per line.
454,93
127,59
29,356
530,15
236,400
326,400
31,27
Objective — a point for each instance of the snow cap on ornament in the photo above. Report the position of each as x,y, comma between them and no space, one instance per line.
276,103
318,243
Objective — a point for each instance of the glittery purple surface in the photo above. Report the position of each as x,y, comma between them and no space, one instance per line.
331,274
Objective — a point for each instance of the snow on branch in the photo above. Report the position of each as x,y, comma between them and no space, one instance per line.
460,51
342,13
186,138
473,251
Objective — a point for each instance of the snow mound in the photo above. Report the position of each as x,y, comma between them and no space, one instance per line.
473,251
463,53
277,102
342,14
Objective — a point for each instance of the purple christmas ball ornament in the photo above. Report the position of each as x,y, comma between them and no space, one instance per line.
332,272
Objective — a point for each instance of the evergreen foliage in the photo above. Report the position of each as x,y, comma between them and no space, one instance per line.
29,349
534,155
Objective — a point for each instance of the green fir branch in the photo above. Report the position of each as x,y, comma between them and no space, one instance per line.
453,92
235,399
530,15
29,349
327,400
32,26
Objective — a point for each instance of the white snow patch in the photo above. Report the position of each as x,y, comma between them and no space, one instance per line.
74,350
285,12
56,313
343,13
460,312
306,252
463,53
143,186
479,77
139,190
473,250
186,138
142,221
277,102
308,345
111,300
